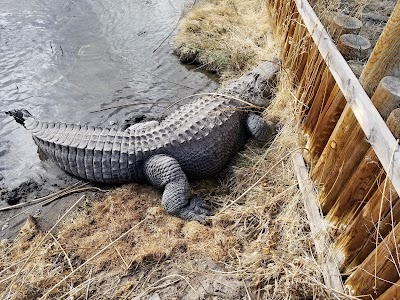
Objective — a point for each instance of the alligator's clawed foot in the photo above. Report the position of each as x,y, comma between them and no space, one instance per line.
200,206
196,210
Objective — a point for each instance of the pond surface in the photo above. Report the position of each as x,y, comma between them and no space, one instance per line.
73,61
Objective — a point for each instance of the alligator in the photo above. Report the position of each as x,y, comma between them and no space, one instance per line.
195,141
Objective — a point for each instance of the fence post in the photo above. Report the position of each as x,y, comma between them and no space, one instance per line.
385,58
340,24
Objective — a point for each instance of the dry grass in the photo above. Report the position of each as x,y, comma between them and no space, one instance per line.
216,34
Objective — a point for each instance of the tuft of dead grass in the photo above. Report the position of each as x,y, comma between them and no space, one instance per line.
217,35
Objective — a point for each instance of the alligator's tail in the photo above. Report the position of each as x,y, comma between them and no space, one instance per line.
20,115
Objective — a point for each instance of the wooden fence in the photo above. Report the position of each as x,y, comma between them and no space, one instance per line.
352,128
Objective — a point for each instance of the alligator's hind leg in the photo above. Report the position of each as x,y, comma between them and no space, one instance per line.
165,172
259,129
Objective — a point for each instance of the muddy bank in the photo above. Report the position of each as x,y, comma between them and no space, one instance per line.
11,220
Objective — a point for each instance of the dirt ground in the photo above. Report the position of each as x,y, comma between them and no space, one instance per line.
121,244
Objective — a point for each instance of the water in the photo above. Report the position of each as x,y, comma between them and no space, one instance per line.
70,61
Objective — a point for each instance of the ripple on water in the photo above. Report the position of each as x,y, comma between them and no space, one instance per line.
63,60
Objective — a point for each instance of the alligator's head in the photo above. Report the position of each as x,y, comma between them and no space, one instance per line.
257,86
262,82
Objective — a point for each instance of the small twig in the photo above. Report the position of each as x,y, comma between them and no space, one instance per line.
154,285
51,46
38,246
52,197
215,94
159,287
89,280
134,288
258,181
43,198
62,52
91,258
153,270
112,288
124,105
79,190
13,265
168,36
76,289
6,279
247,290
62,249
120,255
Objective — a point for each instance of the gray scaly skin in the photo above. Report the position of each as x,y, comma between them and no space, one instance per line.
195,141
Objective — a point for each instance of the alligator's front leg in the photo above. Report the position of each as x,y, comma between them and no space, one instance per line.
259,129
164,172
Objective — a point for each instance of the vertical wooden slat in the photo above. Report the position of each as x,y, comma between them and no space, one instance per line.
283,12
378,233
337,163
291,28
296,47
380,270
358,189
363,179
326,122
277,11
312,81
325,87
357,234
393,293
303,48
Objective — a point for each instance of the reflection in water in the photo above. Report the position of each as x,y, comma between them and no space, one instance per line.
62,60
